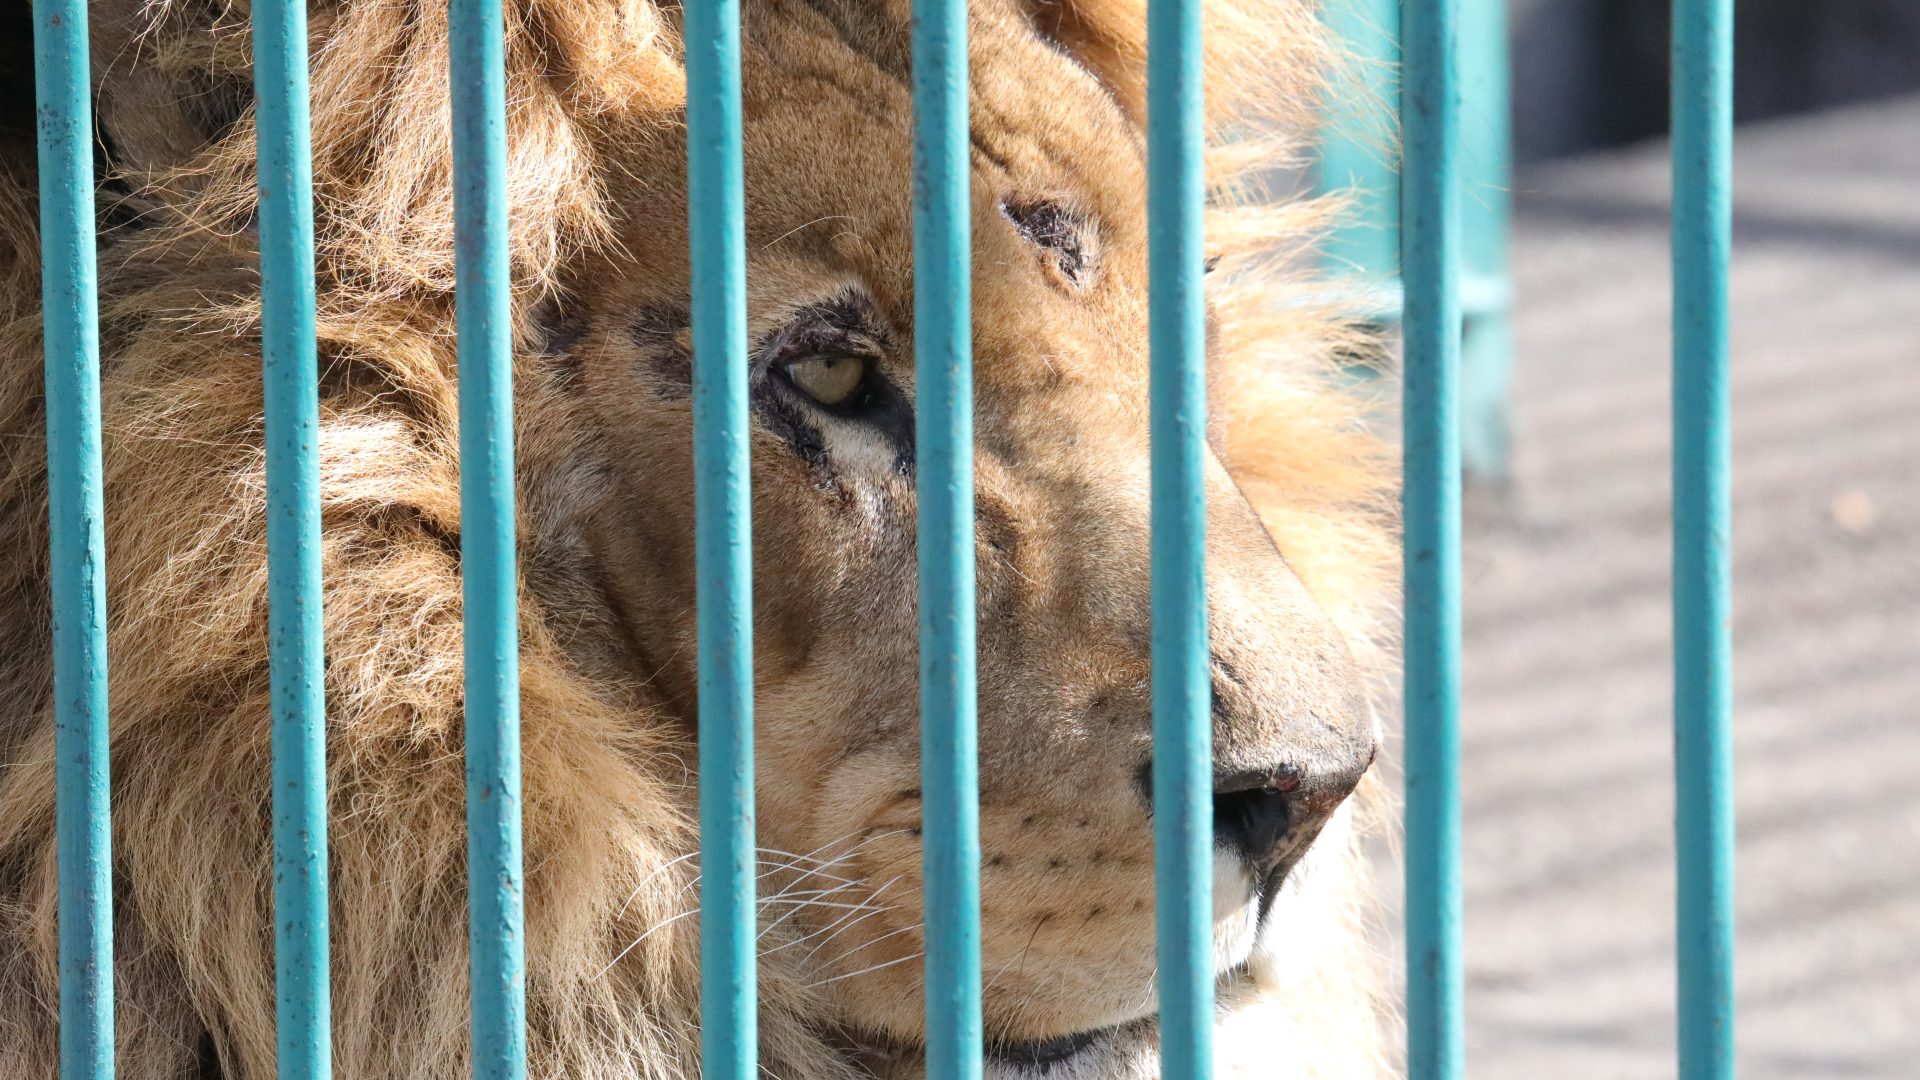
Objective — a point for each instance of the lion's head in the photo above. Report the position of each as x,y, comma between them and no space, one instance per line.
1297,546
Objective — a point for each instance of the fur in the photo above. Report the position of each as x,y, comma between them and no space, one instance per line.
595,91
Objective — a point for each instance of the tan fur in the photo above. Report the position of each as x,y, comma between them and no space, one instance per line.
598,241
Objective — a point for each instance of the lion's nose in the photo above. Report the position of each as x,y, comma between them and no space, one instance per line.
1270,815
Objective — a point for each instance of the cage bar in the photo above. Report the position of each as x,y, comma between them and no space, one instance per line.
1356,158
70,305
1486,213
1182,679
1702,526
1432,248
294,646
943,455
723,541
1430,261
482,296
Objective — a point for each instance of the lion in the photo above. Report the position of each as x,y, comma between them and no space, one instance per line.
1300,551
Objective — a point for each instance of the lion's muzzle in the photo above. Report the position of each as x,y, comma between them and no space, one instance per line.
1270,816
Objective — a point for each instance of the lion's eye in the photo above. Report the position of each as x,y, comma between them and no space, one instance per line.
829,380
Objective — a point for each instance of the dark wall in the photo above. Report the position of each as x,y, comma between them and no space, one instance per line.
16,68
1593,73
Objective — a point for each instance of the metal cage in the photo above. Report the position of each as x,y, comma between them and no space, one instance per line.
1432,252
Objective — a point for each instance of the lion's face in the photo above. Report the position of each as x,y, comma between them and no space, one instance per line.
1299,553
1060,290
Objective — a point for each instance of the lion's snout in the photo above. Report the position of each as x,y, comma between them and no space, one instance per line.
1293,733
1270,816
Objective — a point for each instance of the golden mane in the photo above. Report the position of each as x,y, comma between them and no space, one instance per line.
606,783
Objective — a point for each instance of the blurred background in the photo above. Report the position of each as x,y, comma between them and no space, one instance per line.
1567,743
1590,74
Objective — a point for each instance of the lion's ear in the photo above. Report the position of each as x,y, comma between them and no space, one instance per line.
1266,60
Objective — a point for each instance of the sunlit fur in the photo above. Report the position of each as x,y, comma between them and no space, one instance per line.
596,186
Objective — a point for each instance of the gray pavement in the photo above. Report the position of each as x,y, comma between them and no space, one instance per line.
1567,745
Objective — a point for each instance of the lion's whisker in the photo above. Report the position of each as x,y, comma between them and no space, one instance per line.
803,874
835,842
810,856
844,923
808,225
798,908
850,852
644,936
814,894
870,942
915,955
818,903
815,951
842,887
654,873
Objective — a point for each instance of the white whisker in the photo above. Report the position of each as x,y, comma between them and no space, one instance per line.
870,942
822,943
794,861
798,894
865,970
847,919
644,936
796,909
818,903
815,951
654,873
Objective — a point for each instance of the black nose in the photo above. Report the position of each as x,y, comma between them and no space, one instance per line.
1270,815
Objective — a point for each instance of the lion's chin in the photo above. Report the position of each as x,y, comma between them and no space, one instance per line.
1243,1046
1245,1015
1264,933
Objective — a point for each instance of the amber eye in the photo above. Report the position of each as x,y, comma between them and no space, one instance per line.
829,380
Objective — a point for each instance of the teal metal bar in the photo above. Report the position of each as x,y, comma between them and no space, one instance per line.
1362,254
1182,679
1702,526
495,884
1357,158
1430,261
943,454
1486,210
291,376
723,546
70,303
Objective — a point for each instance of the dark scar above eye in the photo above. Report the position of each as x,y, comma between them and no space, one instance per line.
1049,225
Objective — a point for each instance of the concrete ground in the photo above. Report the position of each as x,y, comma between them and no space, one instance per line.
1567,745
